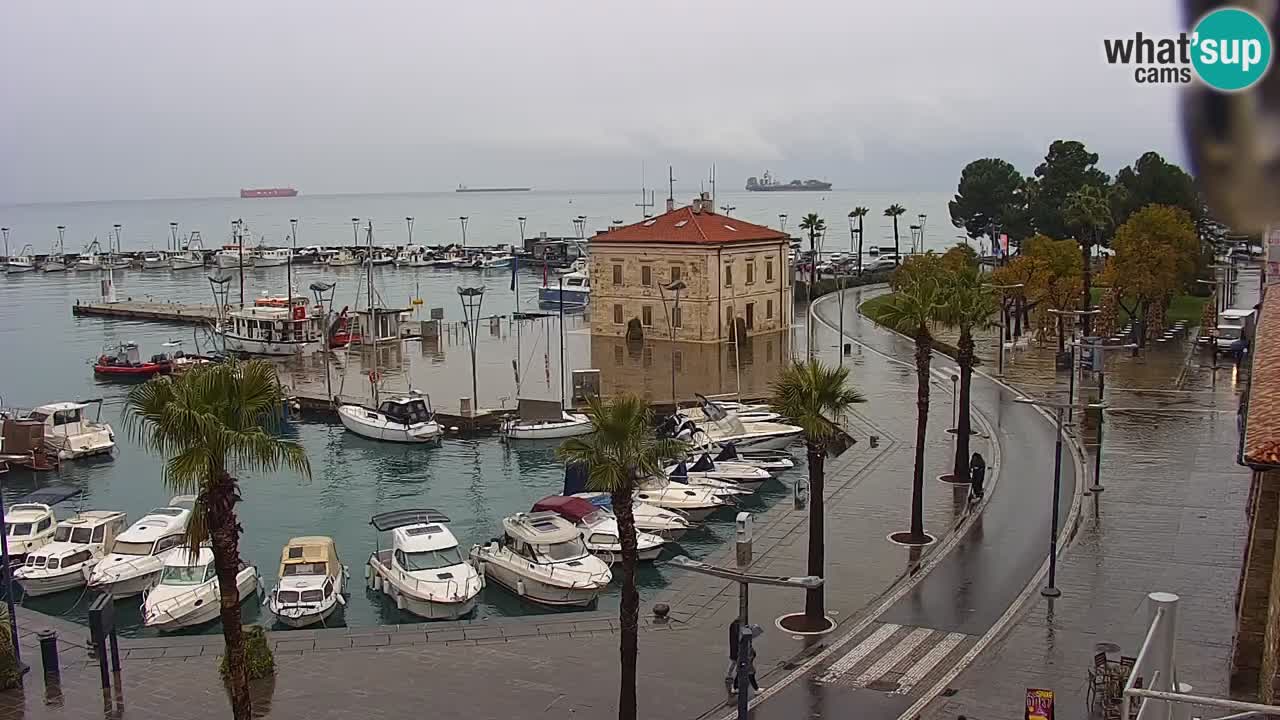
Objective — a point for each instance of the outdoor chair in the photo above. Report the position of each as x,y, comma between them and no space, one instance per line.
1099,674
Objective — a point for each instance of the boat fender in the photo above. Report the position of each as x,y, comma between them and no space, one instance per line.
340,600
368,572
399,601
520,587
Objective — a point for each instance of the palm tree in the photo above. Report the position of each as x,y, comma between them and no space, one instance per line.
894,211
859,212
968,306
1087,210
816,226
911,311
622,451
205,423
815,397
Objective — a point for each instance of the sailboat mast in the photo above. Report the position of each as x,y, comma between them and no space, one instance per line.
373,318
561,342
288,282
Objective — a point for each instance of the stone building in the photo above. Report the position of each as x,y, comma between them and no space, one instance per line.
733,273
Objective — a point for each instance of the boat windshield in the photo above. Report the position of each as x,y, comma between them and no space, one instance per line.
432,559
132,548
19,529
186,574
79,535
317,568
570,550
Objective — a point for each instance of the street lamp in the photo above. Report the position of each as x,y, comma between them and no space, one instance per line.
580,226
1004,322
472,298
782,225
6,241
522,219
675,286
1051,589
463,219
728,209
855,231
173,232
1071,381
1100,366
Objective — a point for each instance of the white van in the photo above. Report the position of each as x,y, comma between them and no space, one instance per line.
1232,324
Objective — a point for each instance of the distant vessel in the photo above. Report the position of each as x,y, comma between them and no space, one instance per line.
769,184
464,188
267,192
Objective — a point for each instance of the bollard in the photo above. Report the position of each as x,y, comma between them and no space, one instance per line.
49,653
848,349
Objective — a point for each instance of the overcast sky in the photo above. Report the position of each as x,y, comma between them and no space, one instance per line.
130,99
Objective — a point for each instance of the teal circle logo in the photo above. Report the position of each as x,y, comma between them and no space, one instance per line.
1231,49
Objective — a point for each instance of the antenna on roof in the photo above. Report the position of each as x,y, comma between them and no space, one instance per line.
671,190
646,197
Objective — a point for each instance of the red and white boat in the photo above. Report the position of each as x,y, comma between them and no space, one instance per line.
124,361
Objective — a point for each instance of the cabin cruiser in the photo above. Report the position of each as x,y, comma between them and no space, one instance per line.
544,419
599,528
424,570
70,433
312,582
135,561
277,331
750,413
721,427
30,527
739,474
666,524
493,260
406,419
342,258
541,558
78,544
271,257
23,262
187,593
155,260
572,288
189,259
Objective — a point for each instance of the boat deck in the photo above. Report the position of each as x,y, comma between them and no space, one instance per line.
194,314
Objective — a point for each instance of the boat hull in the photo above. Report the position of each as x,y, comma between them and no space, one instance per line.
577,426
303,620
14,269
84,445
537,591
45,584
554,296
614,557
143,371
250,346
53,266
353,419
155,264
129,587
269,262
177,264
206,612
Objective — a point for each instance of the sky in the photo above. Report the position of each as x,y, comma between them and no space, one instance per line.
148,99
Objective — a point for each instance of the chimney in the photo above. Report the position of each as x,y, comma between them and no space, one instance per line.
671,204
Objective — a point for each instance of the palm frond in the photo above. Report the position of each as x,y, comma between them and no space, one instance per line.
623,447
814,396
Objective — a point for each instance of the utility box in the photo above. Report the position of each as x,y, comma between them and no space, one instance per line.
743,529
586,384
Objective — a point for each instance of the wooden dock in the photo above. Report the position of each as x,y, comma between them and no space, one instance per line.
149,311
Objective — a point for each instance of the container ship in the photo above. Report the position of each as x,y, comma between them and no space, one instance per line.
464,188
267,192
768,184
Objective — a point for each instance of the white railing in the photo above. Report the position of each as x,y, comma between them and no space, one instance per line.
1164,697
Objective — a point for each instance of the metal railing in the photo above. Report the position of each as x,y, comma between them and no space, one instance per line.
1164,697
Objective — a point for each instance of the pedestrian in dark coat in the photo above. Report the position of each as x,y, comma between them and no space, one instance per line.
977,474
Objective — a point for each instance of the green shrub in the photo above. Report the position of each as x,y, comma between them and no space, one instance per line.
257,655
10,677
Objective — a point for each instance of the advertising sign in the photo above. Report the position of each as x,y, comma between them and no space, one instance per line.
1039,704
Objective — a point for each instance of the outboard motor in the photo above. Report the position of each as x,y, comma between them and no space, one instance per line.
728,452
575,478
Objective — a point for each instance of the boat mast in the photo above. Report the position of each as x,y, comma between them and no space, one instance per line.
561,280
288,282
373,318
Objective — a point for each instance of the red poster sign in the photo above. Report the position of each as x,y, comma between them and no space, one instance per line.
1039,704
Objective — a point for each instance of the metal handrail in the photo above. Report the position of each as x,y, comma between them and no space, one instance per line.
454,590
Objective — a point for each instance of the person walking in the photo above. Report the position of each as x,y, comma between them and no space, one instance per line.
977,474
731,673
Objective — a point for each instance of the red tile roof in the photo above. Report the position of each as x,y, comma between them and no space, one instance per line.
1262,425
684,226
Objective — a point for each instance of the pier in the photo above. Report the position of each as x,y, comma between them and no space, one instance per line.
170,312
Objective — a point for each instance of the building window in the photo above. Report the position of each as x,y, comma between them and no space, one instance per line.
646,275
768,270
751,315
617,274
617,355
617,313
677,360
728,276
751,272
646,315
768,309
675,273
677,321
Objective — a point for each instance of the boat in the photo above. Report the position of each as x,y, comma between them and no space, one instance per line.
424,571
116,261
268,192
56,260
738,474
572,288
721,427
312,581
68,432
233,256
494,260
544,420
746,416
379,258
23,262
413,256
155,260
189,258
271,257
695,503
406,419
465,189
666,524
599,529
341,258
78,544
187,592
771,460
541,558
133,564
124,361
769,184
30,526
275,331
89,259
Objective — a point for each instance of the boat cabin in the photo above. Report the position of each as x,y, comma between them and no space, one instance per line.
161,529
420,540
308,568
543,537
380,325
27,524
65,418
408,410
599,528
180,569
276,324
74,539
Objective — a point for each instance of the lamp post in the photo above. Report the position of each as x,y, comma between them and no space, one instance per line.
1099,365
1004,323
173,233
922,218
6,242
472,298
580,226
522,220
1051,588
782,225
1071,379
62,248
293,250
728,209
672,313
462,219
955,415
858,252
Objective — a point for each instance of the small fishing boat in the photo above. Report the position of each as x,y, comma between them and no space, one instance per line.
56,261
233,256
187,593
424,571
271,257
276,331
413,256
78,544
70,433
89,259
599,528
312,582
155,260
541,558
544,420
494,260
23,262
134,563
572,288
342,258
124,361
189,258
116,261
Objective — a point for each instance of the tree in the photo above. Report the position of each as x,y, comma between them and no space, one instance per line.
968,306
1089,213
816,226
960,257
1155,256
894,211
1067,167
622,451
1153,180
1055,279
989,193
912,310
859,212
815,397
206,422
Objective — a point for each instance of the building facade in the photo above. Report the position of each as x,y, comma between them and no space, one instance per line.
728,272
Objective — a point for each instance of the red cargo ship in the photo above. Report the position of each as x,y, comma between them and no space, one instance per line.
267,192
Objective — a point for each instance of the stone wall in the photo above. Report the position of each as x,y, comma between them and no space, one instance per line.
1257,642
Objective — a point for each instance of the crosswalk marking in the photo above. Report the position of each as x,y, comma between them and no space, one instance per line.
893,657
855,656
926,664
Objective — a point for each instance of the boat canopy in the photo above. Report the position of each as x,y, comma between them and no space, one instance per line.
573,509
540,410
728,452
311,555
406,411
540,528
50,494
703,464
399,518
710,410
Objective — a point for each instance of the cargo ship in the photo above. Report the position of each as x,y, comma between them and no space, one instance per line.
768,184
267,192
464,188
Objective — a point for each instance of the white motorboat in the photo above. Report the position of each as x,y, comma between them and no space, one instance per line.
135,561
155,260
494,260
666,524
771,460
312,582
271,330
694,502
424,571
721,427
30,527
23,262
543,420
78,544
378,258
187,593
70,433
406,419
271,257
342,258
599,528
413,256
541,558
742,475
54,263
745,416
189,258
